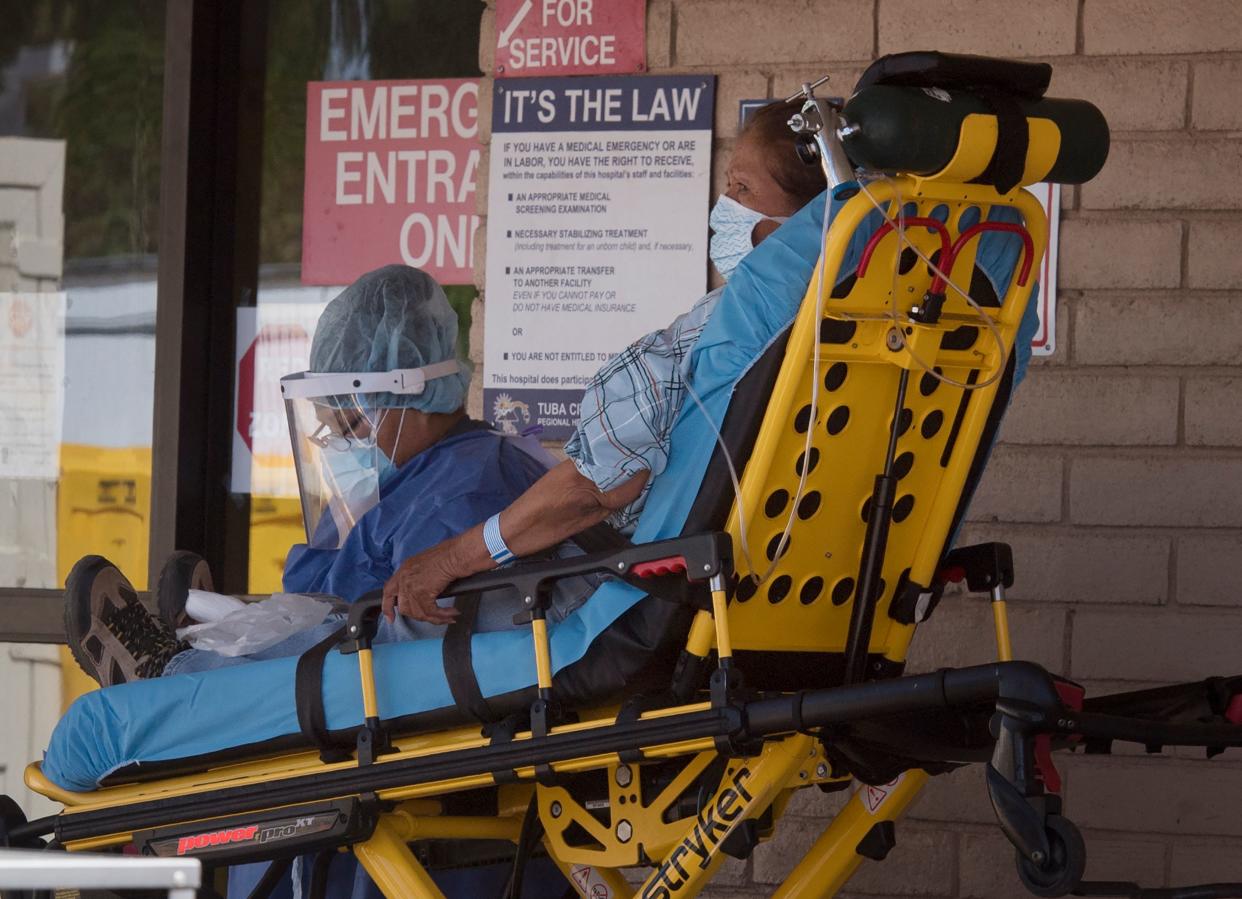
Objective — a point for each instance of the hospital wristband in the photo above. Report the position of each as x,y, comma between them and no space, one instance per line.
500,553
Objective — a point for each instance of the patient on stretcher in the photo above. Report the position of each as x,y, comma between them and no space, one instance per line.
433,473
403,492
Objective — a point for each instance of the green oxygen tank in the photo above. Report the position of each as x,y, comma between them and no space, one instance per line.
916,130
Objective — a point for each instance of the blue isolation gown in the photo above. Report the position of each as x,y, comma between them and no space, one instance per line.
463,479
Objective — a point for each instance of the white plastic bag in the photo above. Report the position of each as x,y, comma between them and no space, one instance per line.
256,625
202,606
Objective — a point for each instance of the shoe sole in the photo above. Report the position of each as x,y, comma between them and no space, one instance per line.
184,571
80,602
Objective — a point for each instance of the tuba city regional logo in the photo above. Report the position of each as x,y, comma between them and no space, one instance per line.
510,415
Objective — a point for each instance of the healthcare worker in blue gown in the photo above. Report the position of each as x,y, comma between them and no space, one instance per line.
399,472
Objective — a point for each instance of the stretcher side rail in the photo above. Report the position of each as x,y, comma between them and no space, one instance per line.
698,557
1019,690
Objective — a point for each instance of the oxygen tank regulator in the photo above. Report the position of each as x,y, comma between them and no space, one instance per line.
820,131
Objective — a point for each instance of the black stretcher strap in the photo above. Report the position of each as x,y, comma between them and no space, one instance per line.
458,655
308,698
1013,140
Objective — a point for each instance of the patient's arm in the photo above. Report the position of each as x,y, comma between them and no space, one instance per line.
557,506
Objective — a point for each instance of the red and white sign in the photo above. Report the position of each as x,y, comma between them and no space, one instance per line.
874,797
1044,342
570,37
589,882
391,168
273,340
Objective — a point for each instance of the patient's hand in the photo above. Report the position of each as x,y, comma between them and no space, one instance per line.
762,229
414,587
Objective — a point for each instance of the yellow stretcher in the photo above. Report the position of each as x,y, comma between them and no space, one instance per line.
802,681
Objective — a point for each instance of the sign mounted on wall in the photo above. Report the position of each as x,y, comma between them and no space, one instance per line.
570,37
1044,343
596,231
391,168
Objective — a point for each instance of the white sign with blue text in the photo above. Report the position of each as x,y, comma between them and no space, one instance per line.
596,235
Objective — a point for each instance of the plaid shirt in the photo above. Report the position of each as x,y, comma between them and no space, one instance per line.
630,405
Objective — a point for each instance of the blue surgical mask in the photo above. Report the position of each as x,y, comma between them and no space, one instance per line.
353,473
732,225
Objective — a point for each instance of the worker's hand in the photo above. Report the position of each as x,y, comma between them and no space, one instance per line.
413,588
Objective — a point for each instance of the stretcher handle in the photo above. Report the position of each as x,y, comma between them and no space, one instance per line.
699,557
931,224
1028,246
362,622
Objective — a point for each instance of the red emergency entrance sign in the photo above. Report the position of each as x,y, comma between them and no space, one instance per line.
570,37
391,168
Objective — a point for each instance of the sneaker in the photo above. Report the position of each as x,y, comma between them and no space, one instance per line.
111,634
184,571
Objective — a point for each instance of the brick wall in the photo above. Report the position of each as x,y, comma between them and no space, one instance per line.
1119,481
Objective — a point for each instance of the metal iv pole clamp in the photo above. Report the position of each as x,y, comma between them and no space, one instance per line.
820,128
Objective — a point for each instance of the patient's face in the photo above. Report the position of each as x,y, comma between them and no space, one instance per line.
749,181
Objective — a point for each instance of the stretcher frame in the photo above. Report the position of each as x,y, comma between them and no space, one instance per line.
754,751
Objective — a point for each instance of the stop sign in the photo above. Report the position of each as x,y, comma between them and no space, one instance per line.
276,350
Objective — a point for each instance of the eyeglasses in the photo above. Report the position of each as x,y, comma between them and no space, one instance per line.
325,438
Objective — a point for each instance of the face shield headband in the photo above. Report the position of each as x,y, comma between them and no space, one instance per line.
334,422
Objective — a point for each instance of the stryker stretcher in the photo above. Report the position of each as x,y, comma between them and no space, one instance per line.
667,722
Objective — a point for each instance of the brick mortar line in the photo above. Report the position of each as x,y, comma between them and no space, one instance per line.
1129,372
1089,833
1145,764
875,28
1056,529
1145,372
1067,467
1067,641
1207,530
767,67
672,34
1127,451
1176,135
955,876
1173,568
943,826
1187,55
1150,216
1187,448
1169,293
1188,108
1181,412
1095,60
1067,304
1106,607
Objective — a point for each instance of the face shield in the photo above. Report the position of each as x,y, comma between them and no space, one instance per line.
334,425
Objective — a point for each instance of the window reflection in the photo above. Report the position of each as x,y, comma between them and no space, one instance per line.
80,111
340,40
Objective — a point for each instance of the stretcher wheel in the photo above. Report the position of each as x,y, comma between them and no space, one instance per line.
11,815
1062,872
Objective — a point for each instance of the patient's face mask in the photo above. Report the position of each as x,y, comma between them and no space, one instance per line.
732,225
